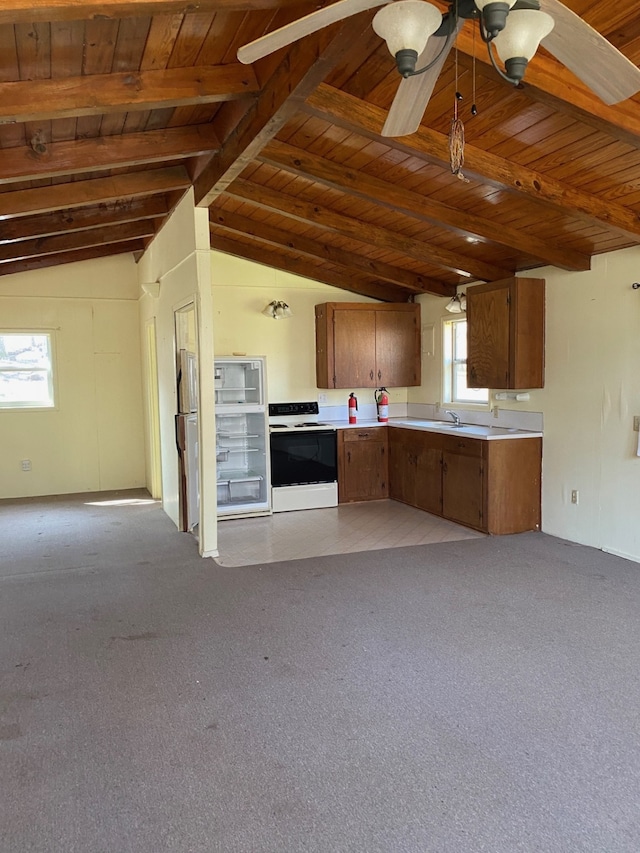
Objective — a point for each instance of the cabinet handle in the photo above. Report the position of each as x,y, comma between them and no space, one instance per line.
363,435
371,375
348,456
379,374
444,467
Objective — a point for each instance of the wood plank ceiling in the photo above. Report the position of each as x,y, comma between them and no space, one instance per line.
109,111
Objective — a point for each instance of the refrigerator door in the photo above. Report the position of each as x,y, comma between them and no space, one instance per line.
187,382
193,472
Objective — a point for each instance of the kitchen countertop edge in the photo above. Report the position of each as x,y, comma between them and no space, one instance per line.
414,423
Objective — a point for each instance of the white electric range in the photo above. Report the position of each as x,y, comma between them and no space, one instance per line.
304,470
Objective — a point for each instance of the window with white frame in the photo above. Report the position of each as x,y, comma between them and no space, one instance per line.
26,370
455,389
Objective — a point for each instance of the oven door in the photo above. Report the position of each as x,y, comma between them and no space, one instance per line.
303,456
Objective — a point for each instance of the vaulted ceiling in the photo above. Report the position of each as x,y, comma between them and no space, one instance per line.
109,111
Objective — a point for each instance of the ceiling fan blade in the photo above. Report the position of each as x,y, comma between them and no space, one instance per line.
412,97
311,23
592,58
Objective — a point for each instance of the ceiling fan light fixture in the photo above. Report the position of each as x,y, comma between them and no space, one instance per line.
521,37
494,15
406,26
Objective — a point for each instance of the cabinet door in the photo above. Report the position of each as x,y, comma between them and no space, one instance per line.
364,476
402,465
463,489
488,337
397,349
354,349
428,474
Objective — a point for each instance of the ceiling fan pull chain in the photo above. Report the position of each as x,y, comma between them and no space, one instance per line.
456,133
474,108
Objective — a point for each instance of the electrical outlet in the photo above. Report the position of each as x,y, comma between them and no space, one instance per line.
575,496
322,399
496,411
636,423
25,464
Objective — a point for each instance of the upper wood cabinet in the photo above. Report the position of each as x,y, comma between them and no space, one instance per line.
505,334
361,345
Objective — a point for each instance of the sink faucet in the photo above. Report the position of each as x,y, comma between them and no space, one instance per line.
456,418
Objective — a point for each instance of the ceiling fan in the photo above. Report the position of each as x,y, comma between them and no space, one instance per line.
420,37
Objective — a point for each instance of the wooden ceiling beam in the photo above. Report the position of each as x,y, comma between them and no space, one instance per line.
33,11
365,232
365,119
110,152
394,197
97,94
300,266
305,66
91,192
326,253
76,240
44,261
98,216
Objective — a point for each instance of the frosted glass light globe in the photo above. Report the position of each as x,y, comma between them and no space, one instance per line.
407,24
482,3
523,33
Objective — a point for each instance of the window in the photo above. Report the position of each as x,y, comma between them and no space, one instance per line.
26,370
455,366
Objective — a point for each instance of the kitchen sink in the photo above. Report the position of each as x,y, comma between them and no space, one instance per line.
479,430
471,430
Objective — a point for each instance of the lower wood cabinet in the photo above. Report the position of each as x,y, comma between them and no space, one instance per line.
415,470
463,485
493,486
363,464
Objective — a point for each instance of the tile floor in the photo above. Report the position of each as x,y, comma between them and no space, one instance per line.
345,529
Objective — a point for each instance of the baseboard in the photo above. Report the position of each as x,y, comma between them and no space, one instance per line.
616,553
214,553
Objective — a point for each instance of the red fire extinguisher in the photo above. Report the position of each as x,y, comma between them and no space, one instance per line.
381,396
353,407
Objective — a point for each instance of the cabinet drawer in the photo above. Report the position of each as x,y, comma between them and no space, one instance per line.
463,446
372,434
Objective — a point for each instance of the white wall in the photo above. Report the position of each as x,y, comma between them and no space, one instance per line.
592,391
179,259
241,290
93,439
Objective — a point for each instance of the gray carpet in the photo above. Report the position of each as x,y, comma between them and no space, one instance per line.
470,696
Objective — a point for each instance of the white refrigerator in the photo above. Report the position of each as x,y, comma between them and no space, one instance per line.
242,437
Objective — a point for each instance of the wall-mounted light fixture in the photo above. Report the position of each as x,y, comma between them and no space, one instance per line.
457,304
278,310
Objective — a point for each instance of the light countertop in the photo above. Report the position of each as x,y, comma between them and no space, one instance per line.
485,433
